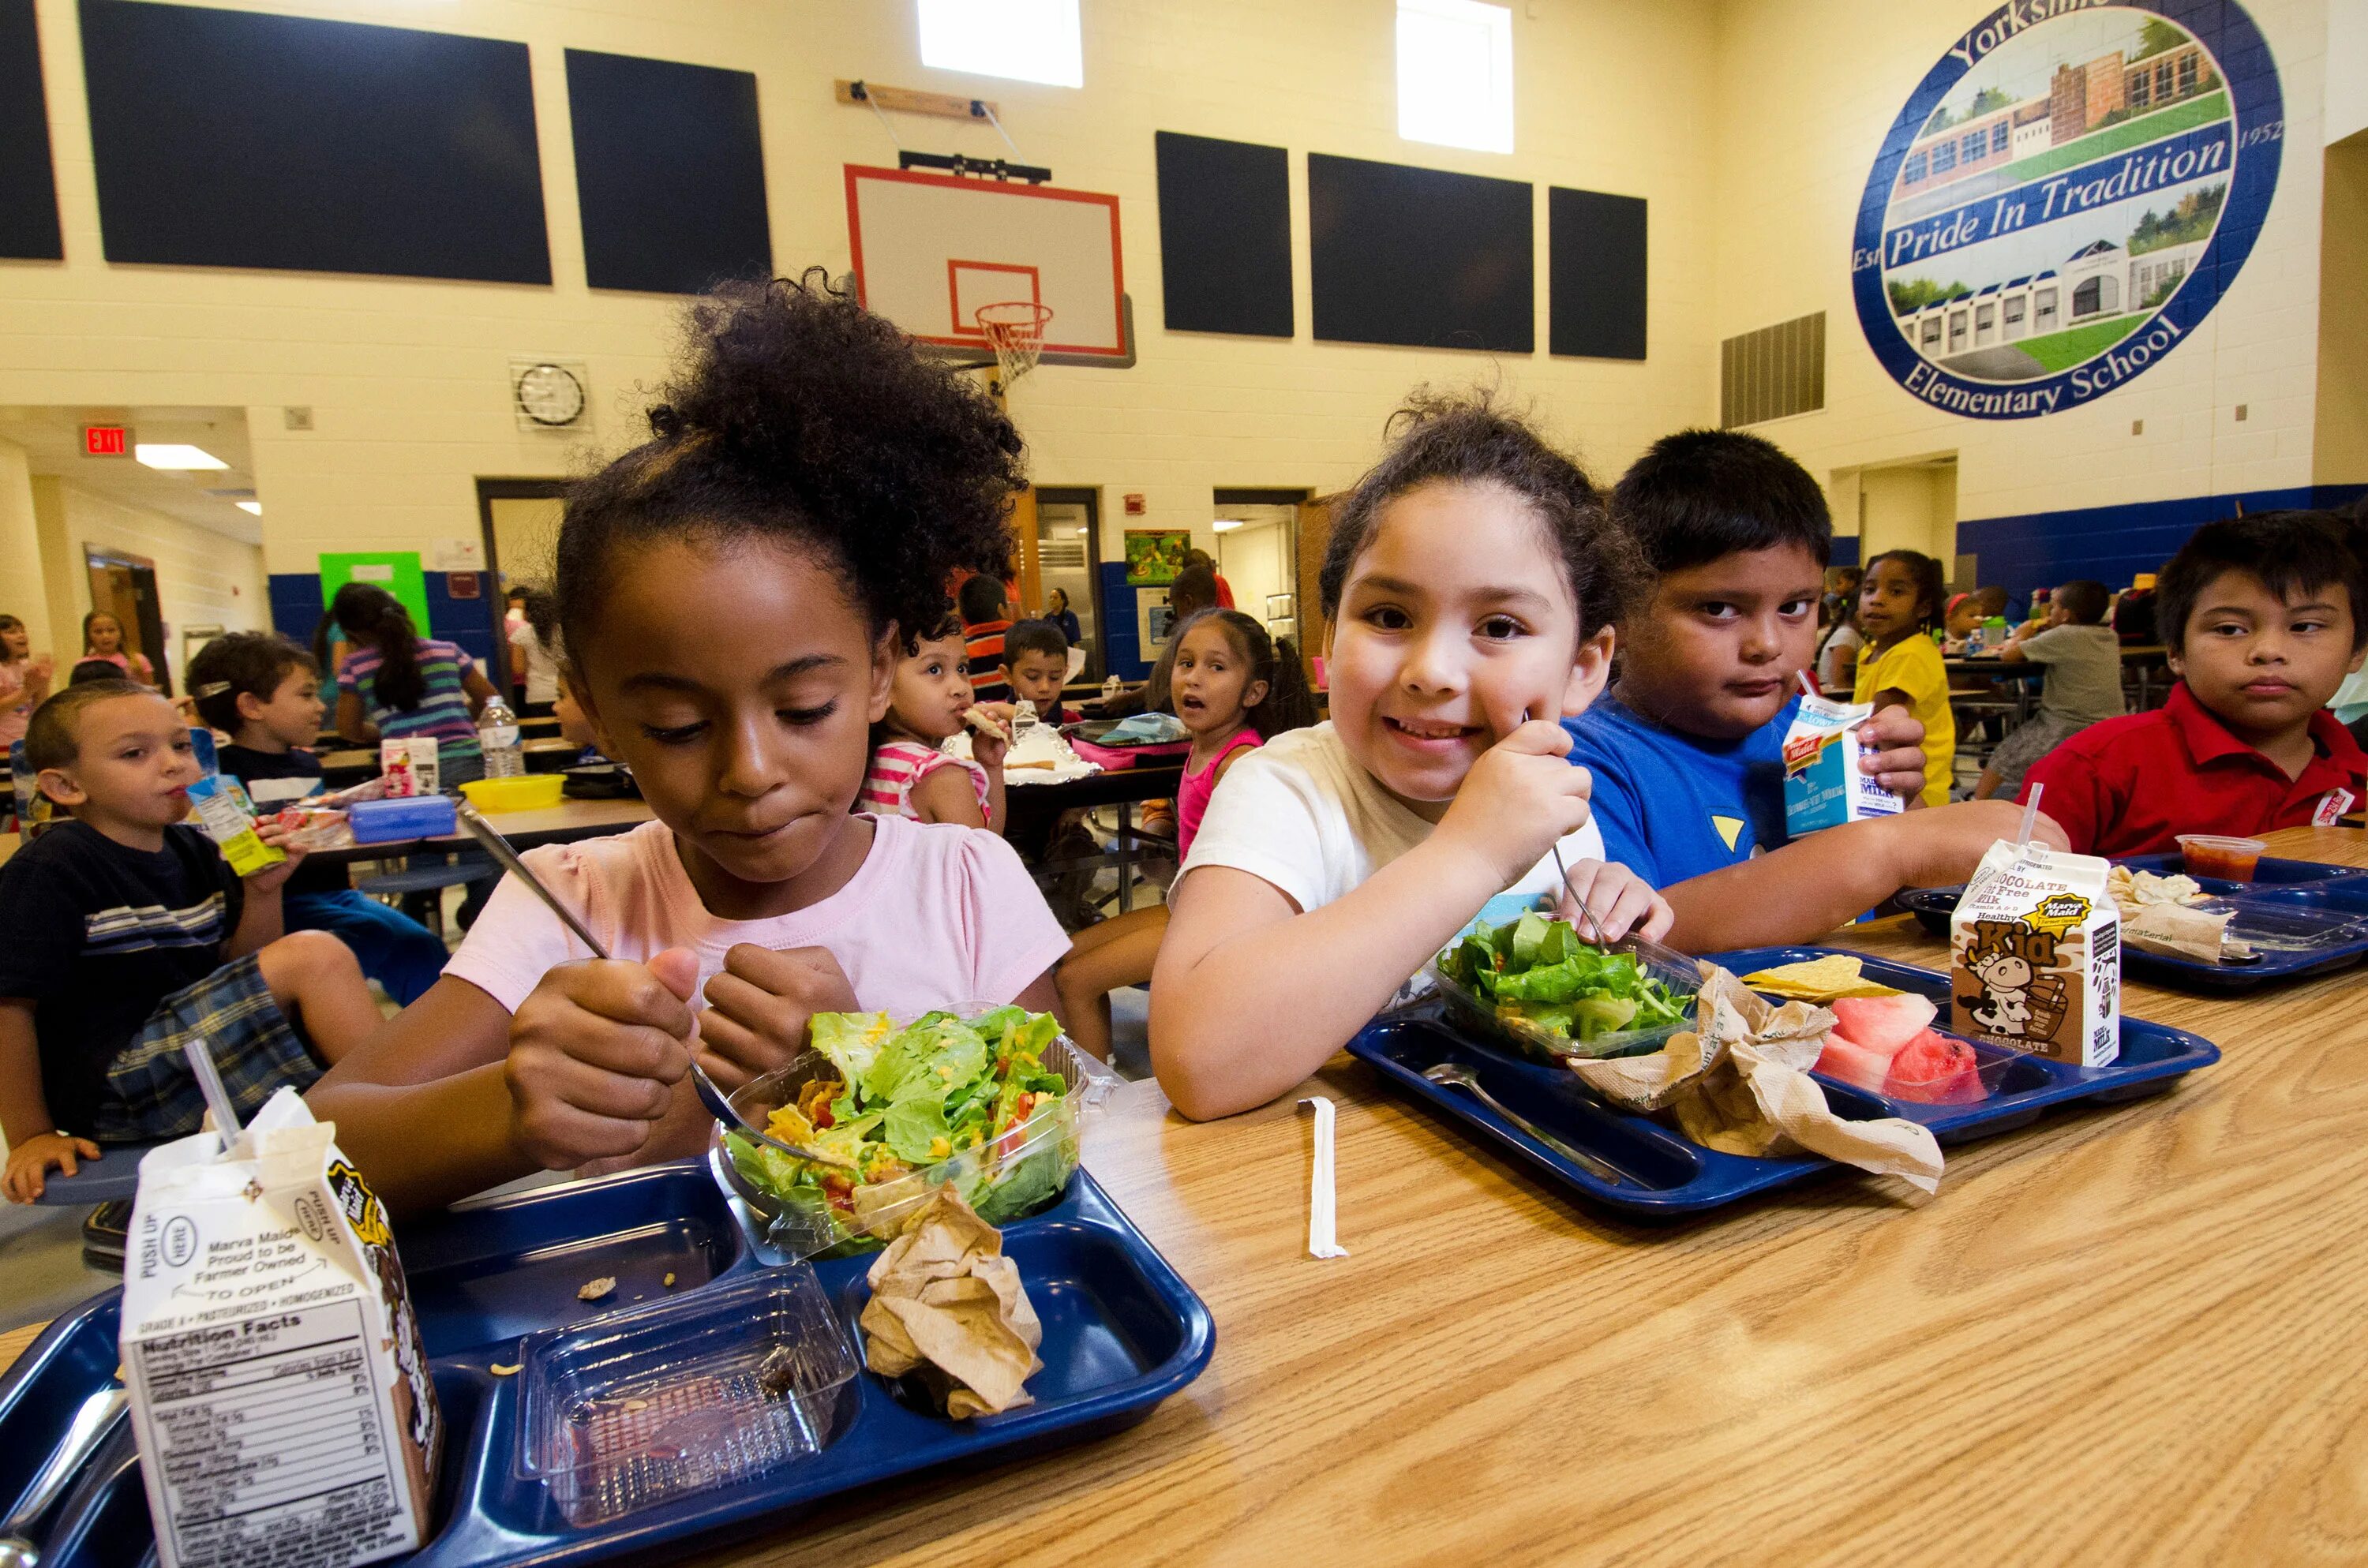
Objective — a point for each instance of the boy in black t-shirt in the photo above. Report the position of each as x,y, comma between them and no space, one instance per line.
123,935
263,692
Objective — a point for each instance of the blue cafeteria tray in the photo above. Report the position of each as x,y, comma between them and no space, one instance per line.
1672,1175
2305,917
1122,1333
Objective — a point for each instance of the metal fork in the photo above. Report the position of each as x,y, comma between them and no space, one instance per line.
1455,1075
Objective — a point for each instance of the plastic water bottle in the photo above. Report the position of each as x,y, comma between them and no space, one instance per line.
1974,643
497,735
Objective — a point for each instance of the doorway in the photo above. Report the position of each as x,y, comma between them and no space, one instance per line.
1257,554
1068,557
1910,506
520,521
125,588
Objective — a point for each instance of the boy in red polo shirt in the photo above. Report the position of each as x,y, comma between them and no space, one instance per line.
2263,616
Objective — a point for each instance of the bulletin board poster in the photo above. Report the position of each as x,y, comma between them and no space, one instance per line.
2063,199
396,571
1154,556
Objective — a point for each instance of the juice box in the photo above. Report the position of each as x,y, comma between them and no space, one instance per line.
1823,786
228,817
279,1390
2035,956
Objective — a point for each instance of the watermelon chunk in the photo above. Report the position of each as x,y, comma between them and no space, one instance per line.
1933,1069
1884,1024
1854,1064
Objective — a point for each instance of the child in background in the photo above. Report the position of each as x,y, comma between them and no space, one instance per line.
534,653
1900,667
263,692
102,638
1036,665
1471,581
1235,687
985,618
2263,617
124,933
395,684
1687,751
2083,684
24,681
1838,650
812,485
911,774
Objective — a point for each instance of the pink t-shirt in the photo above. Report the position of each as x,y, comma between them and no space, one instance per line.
938,914
1192,795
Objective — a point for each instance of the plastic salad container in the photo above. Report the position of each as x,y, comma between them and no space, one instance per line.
636,1408
1589,1028
1005,1169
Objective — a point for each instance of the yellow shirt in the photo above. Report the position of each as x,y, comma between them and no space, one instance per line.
1913,665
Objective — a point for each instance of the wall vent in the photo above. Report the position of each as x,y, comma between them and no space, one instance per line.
1775,371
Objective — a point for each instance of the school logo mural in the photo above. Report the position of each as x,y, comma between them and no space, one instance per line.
2069,191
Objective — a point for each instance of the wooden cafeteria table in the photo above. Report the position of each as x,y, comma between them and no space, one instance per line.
2121,1335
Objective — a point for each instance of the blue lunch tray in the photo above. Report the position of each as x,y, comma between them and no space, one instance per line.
1670,1175
2305,918
1122,1332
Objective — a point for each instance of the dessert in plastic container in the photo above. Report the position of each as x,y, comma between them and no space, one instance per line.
1016,1172
636,1408
2210,855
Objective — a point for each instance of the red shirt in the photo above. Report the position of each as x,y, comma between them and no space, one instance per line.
2130,786
983,658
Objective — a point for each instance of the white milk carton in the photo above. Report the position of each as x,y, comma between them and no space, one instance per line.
2035,951
279,1390
1823,785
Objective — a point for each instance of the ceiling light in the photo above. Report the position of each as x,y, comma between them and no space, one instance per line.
254,507
175,455
1226,525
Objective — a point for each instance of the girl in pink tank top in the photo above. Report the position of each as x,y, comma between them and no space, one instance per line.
1232,687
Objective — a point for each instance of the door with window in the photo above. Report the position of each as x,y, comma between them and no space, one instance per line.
125,588
1068,565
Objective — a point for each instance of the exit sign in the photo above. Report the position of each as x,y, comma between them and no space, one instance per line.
106,441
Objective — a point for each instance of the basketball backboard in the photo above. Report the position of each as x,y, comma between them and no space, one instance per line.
929,249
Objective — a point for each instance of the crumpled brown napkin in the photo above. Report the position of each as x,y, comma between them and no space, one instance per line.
1739,1083
948,1305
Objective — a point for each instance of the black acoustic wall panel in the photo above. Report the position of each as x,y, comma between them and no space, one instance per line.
669,171
28,191
232,139
1224,235
1595,272
1421,257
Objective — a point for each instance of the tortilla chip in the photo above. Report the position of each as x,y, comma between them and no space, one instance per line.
1818,980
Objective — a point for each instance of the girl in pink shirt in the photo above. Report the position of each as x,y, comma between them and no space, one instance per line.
1232,687
910,775
811,483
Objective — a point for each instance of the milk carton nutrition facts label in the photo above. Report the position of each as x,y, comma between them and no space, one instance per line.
270,1439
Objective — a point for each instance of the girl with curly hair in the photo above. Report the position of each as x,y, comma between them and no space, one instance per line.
1470,584
811,484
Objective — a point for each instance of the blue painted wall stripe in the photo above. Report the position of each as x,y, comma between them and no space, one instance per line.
2112,544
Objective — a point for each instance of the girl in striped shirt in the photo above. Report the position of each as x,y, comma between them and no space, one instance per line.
910,775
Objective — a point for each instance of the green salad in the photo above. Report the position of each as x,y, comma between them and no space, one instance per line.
974,1095
1539,972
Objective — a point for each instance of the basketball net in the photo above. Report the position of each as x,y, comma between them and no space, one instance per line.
1014,330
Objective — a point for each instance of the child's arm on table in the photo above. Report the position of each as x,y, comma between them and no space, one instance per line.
34,1143
1810,886
1250,994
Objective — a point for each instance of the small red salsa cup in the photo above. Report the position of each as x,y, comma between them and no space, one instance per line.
2230,859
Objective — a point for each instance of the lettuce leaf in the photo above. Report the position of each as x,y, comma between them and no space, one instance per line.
852,1040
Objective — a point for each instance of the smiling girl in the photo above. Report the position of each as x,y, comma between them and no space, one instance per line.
812,484
1470,583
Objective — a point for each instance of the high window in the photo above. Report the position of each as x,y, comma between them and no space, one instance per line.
1027,41
1455,73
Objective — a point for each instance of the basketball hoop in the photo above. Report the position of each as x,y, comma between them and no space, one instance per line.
1014,330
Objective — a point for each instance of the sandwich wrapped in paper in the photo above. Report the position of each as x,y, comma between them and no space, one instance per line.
1738,1081
279,1390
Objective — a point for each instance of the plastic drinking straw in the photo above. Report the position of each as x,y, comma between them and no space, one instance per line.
2030,815
210,1084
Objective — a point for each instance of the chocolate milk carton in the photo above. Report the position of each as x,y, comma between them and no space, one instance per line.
2035,950
1823,785
279,1390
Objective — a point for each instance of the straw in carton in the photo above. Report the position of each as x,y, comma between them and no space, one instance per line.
210,1084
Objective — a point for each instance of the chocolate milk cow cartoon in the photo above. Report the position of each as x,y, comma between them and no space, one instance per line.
2019,999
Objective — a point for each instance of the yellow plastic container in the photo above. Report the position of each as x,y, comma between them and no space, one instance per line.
526,792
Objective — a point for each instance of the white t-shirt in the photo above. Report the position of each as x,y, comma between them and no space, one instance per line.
1846,641
1301,813
541,664
938,914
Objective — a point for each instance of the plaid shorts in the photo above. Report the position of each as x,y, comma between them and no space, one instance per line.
151,1093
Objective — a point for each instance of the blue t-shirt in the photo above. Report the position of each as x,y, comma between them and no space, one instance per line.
1674,806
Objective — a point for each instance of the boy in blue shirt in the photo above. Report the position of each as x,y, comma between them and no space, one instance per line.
1687,751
